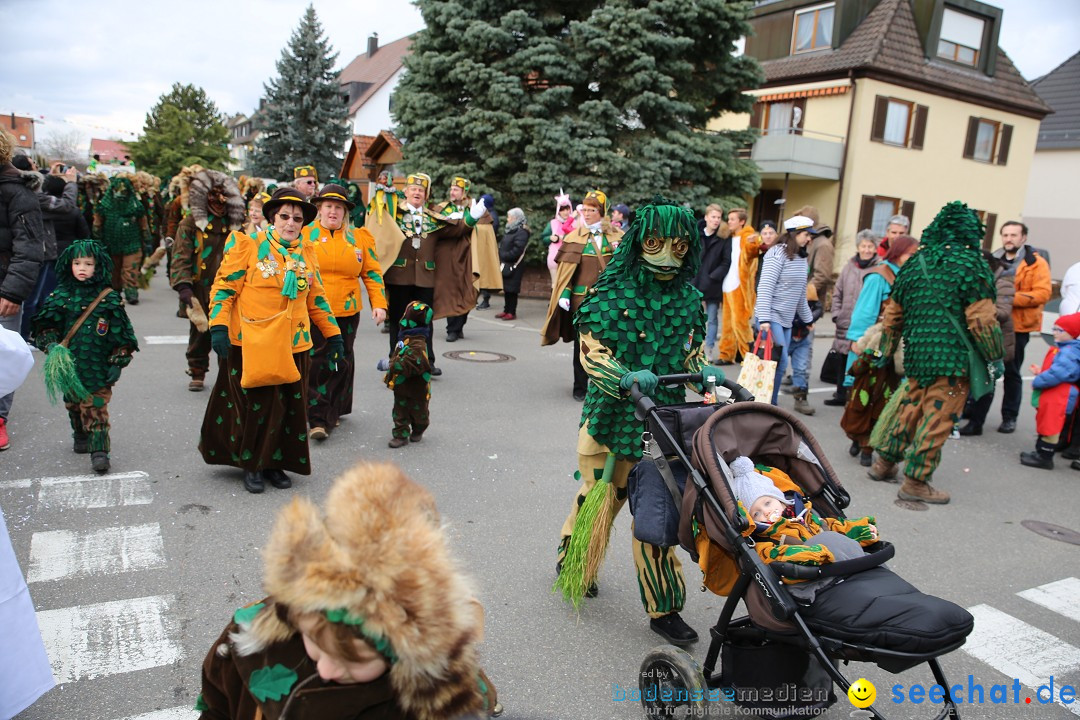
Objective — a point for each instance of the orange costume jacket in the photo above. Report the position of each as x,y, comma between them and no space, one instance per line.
345,255
735,334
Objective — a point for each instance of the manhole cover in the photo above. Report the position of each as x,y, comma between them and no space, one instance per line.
1054,532
916,505
482,356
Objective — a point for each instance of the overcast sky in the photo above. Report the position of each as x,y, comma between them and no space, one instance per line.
98,67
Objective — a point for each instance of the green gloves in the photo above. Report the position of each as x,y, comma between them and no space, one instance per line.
707,370
120,359
646,381
219,340
113,375
335,351
997,369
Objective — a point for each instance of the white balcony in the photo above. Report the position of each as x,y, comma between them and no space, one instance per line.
799,155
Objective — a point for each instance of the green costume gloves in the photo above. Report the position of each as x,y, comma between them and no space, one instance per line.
707,370
219,340
112,375
997,369
646,381
336,351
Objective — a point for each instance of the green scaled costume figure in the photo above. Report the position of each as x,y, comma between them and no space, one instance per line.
942,304
122,225
100,348
409,375
642,318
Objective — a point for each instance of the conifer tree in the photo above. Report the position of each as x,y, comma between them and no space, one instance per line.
183,128
529,96
304,117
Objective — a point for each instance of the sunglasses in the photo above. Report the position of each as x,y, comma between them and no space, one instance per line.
282,217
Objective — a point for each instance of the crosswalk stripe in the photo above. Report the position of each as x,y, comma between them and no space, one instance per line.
82,492
61,554
1062,596
184,712
1018,650
166,339
91,641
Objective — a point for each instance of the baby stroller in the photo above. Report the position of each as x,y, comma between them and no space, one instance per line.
782,658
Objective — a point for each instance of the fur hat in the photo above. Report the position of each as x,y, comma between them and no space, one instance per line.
378,556
749,485
198,198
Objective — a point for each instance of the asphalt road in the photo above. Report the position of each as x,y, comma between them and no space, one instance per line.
129,620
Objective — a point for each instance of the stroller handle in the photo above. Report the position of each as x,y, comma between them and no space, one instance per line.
880,553
643,402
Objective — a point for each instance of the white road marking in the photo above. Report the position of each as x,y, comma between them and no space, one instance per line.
166,339
91,641
78,492
1018,650
15,484
60,554
184,712
1062,596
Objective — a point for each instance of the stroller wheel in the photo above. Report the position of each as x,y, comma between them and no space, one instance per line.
672,684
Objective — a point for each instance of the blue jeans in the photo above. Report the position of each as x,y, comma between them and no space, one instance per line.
801,353
712,328
46,283
782,337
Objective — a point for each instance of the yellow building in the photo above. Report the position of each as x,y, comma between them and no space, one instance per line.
872,108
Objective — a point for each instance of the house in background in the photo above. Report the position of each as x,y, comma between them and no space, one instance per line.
369,81
108,152
242,136
871,108
370,155
1051,211
23,130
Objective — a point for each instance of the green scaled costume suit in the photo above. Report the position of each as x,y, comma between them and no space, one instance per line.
122,225
100,348
642,314
942,293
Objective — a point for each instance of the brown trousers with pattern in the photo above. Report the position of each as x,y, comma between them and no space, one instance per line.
125,274
925,420
90,418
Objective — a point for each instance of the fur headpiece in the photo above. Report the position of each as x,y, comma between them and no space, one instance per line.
251,186
95,185
201,184
145,184
181,182
378,554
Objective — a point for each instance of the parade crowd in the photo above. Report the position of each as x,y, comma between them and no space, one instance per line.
272,280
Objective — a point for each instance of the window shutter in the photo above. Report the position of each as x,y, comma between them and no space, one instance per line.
866,212
881,109
919,132
907,209
969,142
991,226
755,116
1003,147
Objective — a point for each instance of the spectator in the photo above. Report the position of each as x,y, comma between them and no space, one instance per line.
739,292
22,240
1032,275
620,216
844,296
715,263
1070,291
560,226
820,257
898,225
512,250
769,236
1054,391
1004,282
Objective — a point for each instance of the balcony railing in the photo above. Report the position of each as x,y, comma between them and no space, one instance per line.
799,153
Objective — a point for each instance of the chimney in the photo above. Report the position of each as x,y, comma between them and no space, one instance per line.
372,44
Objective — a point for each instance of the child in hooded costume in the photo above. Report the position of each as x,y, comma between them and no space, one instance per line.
368,616
409,375
89,340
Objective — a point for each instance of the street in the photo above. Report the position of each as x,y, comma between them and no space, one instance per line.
135,573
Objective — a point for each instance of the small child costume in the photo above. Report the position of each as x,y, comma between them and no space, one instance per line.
409,375
1054,393
101,346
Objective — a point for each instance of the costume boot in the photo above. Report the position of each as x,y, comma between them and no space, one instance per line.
801,404
919,490
1042,457
883,471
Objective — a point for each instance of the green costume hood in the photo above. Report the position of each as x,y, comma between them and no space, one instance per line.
103,266
661,219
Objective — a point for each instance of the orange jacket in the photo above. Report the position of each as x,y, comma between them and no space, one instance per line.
1032,292
240,289
344,256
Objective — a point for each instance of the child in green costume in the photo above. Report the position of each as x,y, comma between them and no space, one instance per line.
89,340
409,375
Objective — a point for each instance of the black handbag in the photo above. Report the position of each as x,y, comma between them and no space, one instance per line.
832,370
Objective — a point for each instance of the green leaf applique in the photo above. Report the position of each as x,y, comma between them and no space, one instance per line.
244,615
271,683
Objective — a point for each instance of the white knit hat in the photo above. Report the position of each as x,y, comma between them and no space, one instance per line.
749,485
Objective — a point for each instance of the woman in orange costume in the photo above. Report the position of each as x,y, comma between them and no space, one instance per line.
739,293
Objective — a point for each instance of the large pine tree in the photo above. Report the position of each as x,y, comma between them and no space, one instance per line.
183,128
304,118
530,96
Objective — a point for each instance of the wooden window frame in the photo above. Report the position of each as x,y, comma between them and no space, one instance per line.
915,133
907,128
813,37
999,151
956,53
762,122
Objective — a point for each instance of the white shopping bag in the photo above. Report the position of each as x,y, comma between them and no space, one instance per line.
15,361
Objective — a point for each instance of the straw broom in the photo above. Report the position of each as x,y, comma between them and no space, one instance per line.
589,539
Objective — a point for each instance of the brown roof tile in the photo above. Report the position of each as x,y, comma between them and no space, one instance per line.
887,42
375,69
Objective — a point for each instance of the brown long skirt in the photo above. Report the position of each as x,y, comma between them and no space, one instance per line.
331,391
256,428
867,398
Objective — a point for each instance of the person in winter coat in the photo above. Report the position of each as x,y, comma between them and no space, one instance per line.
715,263
1054,391
22,250
844,296
781,295
1004,282
512,249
